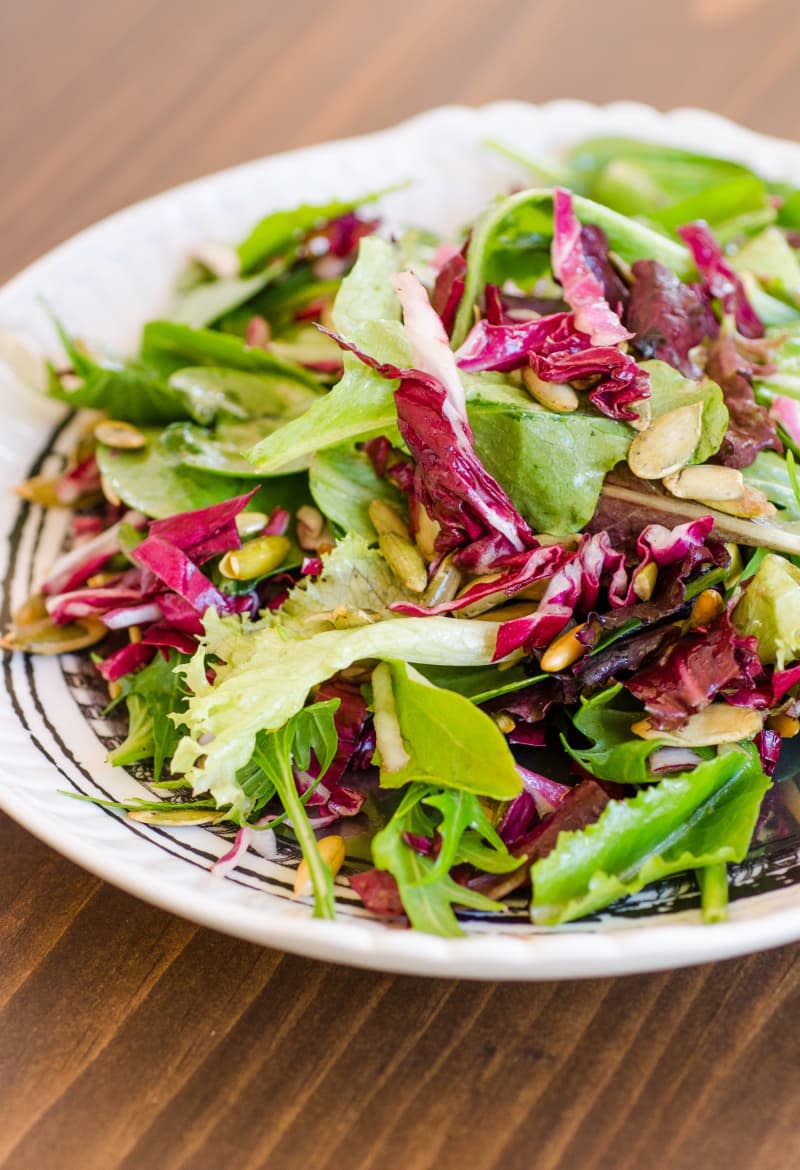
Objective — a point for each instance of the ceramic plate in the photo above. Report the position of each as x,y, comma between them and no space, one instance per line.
104,284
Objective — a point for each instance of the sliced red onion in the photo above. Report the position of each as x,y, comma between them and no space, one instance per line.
673,759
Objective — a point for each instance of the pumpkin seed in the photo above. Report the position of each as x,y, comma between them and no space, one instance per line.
250,523
644,582
718,723
667,444
752,504
556,396
332,851
255,559
706,482
178,816
444,583
385,518
121,435
426,534
564,651
405,561
45,637
310,527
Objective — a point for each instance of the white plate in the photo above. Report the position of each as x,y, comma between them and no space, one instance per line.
105,283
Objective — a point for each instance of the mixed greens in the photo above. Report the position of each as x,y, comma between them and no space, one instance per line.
473,564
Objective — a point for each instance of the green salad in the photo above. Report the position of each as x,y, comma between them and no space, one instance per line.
469,567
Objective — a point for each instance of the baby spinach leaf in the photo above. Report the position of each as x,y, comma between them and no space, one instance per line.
449,741
687,821
209,392
552,465
343,483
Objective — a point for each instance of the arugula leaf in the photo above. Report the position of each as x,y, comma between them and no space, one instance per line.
687,821
343,483
552,465
427,891
311,729
152,695
616,753
168,346
283,229
450,742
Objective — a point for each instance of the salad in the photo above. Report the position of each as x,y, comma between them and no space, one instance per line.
469,568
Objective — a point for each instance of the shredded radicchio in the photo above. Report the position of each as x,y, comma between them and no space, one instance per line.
719,279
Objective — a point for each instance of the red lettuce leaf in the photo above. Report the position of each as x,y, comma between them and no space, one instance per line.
719,278
378,890
750,428
667,317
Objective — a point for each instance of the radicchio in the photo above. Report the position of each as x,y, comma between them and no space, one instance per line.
704,662
719,278
583,291
449,289
786,413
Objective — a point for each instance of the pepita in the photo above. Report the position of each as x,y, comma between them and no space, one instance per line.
706,482
178,816
752,504
667,444
426,534
444,583
554,396
718,723
121,435
255,559
332,851
385,518
310,527
707,607
564,650
250,523
644,581
45,637
405,561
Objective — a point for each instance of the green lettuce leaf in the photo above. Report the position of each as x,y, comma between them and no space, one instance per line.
480,683
361,405
168,346
687,821
209,392
616,753
769,610
343,483
449,741
552,465
770,474
263,677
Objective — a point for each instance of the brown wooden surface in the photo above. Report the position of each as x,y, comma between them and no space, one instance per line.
131,1040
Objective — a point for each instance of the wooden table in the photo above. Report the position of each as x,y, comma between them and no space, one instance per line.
130,1038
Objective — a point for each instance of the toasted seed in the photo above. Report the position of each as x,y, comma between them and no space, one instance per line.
708,605
45,637
706,482
405,561
32,610
122,435
555,396
786,725
644,581
444,583
178,816
250,523
108,491
114,689
565,650
752,504
667,444
310,527
507,613
504,722
40,489
134,634
426,534
332,852
255,559
718,723
385,518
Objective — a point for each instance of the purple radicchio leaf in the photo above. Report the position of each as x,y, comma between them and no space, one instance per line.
719,278
667,317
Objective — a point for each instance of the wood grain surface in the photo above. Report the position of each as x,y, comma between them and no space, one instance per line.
130,1039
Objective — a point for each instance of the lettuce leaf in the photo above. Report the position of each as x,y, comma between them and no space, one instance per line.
616,753
769,610
687,821
343,483
263,676
669,389
449,741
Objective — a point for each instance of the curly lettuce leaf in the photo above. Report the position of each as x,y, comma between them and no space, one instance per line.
687,821
769,610
263,676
